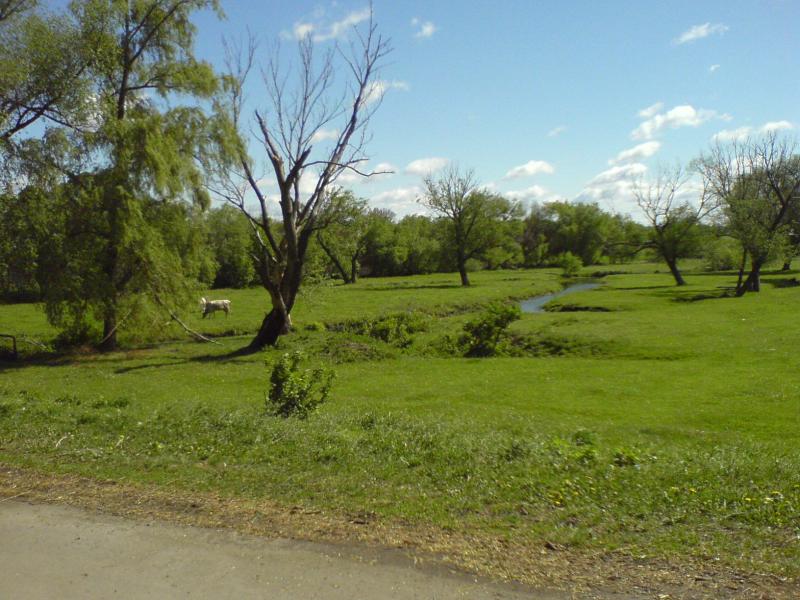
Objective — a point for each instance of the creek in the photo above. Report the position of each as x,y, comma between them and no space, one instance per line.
536,304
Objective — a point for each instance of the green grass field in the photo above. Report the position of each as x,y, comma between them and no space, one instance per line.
663,422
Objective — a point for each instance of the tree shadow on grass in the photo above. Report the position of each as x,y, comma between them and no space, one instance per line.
783,282
641,287
232,356
62,359
721,292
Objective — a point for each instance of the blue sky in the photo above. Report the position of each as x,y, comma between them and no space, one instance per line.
553,99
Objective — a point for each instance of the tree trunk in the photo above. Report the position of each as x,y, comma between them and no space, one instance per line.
274,325
109,342
787,265
353,270
673,267
742,265
753,281
462,270
335,260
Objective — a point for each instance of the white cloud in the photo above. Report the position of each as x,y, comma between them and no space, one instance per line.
529,169
325,134
776,126
301,30
323,32
348,177
651,110
378,89
308,182
425,166
730,135
557,131
385,166
640,152
402,201
613,188
741,133
382,171
424,29
700,31
533,193
619,173
713,68
684,115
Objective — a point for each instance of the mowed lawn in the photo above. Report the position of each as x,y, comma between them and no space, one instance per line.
646,418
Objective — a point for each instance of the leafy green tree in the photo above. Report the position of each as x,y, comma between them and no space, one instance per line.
408,247
581,229
27,223
347,224
584,230
624,237
757,182
42,67
535,244
43,72
231,243
122,258
472,215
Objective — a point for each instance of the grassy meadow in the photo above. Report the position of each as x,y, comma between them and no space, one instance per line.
637,417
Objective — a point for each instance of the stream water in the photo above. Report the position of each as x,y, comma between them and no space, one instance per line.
536,304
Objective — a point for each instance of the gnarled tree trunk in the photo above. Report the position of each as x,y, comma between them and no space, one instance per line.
673,268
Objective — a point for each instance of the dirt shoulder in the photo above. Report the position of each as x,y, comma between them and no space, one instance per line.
534,572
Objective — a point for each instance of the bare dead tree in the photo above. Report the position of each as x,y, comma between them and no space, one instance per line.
671,216
303,107
757,181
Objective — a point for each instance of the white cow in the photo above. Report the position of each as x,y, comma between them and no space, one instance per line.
212,306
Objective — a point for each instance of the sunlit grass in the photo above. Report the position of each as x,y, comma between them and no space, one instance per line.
666,426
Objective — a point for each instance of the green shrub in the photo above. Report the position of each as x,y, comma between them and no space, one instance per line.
484,336
395,329
722,254
473,264
570,264
625,457
295,393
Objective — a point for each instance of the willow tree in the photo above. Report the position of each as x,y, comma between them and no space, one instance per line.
139,176
312,126
42,77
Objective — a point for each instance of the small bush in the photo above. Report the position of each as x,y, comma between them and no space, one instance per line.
723,254
473,264
485,335
570,264
295,393
583,437
396,329
625,457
